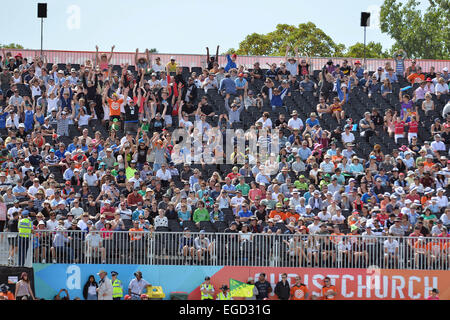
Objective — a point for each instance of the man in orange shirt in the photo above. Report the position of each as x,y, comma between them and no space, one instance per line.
417,76
5,293
136,241
435,251
277,215
299,291
334,236
114,104
329,291
292,217
420,251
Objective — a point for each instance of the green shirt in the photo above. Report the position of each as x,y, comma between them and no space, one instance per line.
115,126
270,204
430,217
245,188
201,215
142,193
145,127
129,172
301,185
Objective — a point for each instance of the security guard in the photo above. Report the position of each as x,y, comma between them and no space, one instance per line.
225,294
25,228
207,289
117,286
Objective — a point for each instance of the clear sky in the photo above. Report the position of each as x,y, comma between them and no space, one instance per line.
178,26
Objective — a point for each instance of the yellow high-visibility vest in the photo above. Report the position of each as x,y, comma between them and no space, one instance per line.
221,296
204,294
25,226
117,289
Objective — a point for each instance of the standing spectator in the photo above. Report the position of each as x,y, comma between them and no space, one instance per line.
282,289
105,289
23,288
399,59
329,291
299,291
263,286
137,286
90,289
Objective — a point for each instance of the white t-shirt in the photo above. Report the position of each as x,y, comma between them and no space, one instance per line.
324,217
158,68
52,105
84,120
33,190
77,212
347,138
93,240
295,123
90,179
163,175
52,225
237,201
391,246
267,123
313,228
337,219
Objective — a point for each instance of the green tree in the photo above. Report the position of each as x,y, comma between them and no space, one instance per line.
373,50
11,46
153,50
310,40
426,35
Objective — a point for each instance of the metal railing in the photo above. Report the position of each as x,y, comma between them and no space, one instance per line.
238,249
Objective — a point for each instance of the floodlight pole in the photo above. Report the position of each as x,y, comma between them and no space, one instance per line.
42,34
365,66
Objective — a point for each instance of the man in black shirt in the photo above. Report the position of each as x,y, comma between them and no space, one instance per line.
131,117
257,72
293,83
157,124
205,108
272,72
282,289
190,91
345,68
188,108
283,73
35,158
263,286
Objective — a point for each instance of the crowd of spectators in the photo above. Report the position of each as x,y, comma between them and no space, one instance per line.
91,148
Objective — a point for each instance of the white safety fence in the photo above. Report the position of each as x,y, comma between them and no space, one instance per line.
238,249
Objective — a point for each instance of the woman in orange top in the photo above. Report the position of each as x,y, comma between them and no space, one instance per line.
328,290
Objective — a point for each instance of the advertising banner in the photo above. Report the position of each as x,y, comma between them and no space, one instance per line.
351,284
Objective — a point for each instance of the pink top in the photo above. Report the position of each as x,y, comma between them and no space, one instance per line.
433,298
103,65
2,211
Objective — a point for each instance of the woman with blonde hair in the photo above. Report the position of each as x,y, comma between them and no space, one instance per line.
428,104
389,122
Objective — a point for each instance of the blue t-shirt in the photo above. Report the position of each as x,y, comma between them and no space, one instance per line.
245,214
3,117
312,123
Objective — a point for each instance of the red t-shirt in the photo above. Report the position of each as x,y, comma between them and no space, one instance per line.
399,127
413,127
108,212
